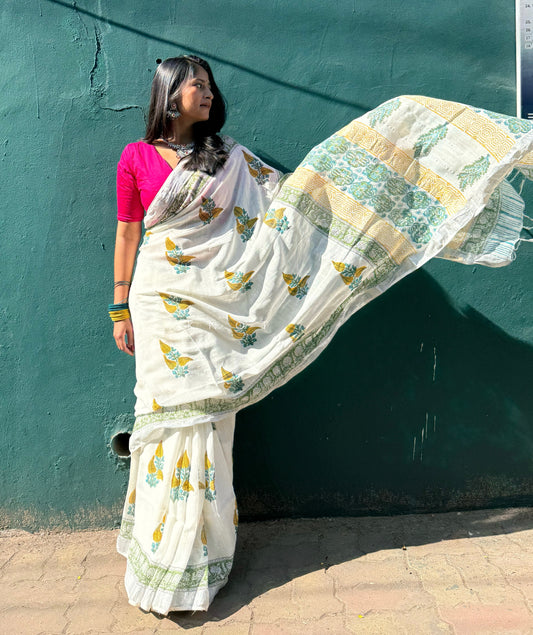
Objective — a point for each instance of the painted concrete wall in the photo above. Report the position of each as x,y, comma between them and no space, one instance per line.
422,402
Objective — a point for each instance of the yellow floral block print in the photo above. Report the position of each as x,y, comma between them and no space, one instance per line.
131,503
296,331
232,382
174,360
208,210
296,286
350,274
181,486
155,467
158,535
259,171
243,332
177,258
210,490
239,281
245,224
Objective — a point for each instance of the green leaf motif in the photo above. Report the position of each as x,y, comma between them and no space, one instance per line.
426,142
516,126
471,173
382,112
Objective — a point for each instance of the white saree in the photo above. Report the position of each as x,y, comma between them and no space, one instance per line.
244,277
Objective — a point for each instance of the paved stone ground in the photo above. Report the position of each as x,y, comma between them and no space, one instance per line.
468,572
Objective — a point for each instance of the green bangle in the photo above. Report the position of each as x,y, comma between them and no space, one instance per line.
118,307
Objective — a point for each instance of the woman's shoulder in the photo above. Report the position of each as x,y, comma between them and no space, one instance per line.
134,153
229,143
135,148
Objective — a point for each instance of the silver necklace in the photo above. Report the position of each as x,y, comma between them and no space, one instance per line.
182,150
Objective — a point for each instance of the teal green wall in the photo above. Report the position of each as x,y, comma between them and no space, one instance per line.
450,345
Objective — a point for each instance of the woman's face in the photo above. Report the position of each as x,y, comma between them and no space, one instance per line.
196,97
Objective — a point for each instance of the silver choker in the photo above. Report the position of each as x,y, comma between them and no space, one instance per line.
180,149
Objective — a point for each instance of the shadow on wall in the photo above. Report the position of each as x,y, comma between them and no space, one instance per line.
209,55
416,405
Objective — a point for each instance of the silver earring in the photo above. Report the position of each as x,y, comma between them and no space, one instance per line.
173,113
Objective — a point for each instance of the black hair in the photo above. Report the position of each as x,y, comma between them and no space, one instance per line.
209,153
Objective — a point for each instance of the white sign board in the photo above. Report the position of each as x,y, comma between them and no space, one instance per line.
524,58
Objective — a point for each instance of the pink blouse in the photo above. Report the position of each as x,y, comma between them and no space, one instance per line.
141,172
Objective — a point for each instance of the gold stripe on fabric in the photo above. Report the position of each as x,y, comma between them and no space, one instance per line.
527,159
481,129
408,167
351,211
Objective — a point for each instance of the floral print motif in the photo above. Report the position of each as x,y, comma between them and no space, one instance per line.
208,210
155,466
376,172
203,538
337,145
297,286
181,486
416,199
174,360
319,162
350,274
396,186
259,171
471,173
176,257
243,332
383,204
210,490
420,232
296,331
232,382
131,503
158,534
436,214
177,306
402,217
277,220
382,112
342,176
427,141
363,191
245,224
239,281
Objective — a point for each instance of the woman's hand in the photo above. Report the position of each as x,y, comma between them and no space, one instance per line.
123,334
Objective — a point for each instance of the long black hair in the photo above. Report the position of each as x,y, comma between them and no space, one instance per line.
209,153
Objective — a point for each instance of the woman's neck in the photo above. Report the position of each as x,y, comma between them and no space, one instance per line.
181,132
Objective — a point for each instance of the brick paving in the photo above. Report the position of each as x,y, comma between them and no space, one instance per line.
469,572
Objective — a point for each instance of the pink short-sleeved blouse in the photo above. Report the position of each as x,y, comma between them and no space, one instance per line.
141,172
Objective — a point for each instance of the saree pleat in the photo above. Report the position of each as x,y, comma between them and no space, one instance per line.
244,277
180,518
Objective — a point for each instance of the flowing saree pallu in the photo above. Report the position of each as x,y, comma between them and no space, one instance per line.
243,278
241,281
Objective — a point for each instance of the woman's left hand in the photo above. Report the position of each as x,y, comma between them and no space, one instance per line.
123,334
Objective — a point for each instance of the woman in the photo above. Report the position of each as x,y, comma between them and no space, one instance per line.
244,277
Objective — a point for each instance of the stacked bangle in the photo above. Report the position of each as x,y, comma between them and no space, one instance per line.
122,283
119,312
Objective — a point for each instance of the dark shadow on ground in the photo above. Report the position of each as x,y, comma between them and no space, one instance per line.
279,551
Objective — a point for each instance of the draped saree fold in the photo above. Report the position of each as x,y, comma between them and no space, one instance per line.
244,277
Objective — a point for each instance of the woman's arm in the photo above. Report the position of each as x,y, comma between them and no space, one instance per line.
126,245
